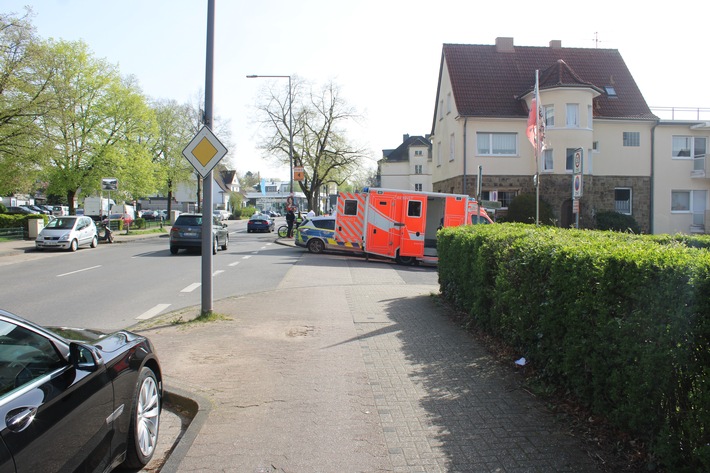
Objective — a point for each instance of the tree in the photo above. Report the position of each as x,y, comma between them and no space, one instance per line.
23,99
96,126
522,209
249,180
220,128
174,131
320,144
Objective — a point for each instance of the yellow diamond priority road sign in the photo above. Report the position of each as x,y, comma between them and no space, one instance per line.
204,151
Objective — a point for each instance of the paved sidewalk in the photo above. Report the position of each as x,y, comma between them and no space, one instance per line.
364,374
367,374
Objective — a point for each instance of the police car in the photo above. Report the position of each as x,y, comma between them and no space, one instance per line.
317,234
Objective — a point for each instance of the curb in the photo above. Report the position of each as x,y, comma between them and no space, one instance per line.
198,409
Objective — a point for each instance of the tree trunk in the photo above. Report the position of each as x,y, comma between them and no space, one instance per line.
70,201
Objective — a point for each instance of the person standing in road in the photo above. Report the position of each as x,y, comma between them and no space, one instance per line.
290,217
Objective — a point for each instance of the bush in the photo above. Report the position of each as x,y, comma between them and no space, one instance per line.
617,222
522,210
3,209
619,321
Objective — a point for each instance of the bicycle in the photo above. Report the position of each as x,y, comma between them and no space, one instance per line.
283,230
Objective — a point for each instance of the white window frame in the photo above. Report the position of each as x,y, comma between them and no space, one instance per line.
418,187
691,150
547,160
630,200
418,169
487,138
438,153
690,200
572,115
549,112
448,103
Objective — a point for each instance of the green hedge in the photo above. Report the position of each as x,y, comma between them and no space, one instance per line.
620,321
15,220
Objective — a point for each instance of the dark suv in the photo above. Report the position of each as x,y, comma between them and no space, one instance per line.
186,233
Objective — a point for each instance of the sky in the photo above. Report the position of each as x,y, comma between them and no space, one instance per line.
384,55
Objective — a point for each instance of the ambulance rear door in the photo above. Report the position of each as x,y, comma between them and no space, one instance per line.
350,218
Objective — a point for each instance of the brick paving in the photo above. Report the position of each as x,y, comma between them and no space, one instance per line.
374,376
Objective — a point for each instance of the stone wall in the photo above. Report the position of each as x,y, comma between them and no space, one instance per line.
556,190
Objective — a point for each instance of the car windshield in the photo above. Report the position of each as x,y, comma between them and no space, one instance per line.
61,223
189,220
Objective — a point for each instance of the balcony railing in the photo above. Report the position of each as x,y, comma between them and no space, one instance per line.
682,113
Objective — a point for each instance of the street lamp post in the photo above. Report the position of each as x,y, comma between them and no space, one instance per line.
290,123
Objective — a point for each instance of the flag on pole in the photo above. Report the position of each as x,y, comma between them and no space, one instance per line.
536,121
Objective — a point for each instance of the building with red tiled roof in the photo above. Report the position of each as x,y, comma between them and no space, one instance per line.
591,104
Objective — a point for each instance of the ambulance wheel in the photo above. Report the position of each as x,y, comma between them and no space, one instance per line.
315,245
405,260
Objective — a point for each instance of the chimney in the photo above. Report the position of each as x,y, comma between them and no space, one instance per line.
504,45
405,137
556,44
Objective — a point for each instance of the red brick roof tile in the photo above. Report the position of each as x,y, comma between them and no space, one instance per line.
488,83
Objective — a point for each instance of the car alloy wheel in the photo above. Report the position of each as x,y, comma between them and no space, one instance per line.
315,245
145,420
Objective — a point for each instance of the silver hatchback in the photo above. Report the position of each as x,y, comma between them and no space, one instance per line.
68,233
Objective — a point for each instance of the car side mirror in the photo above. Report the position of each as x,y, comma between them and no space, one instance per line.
84,357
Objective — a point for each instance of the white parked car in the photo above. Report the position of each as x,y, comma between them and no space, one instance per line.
221,214
68,233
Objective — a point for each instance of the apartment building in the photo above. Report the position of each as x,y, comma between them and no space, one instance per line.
591,104
408,166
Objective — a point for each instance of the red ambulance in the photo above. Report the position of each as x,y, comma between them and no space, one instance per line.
399,224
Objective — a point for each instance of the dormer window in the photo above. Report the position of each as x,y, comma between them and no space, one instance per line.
610,90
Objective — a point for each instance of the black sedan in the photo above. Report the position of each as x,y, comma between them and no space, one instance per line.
260,223
70,405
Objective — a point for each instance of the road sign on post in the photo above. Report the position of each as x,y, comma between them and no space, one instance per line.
204,151
577,186
578,156
298,173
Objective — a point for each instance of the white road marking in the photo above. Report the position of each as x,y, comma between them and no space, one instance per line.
234,264
192,287
246,257
149,314
78,271
217,272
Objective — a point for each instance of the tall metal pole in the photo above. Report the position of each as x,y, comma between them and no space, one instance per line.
208,180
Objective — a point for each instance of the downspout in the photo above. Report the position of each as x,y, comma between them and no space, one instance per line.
653,167
465,121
